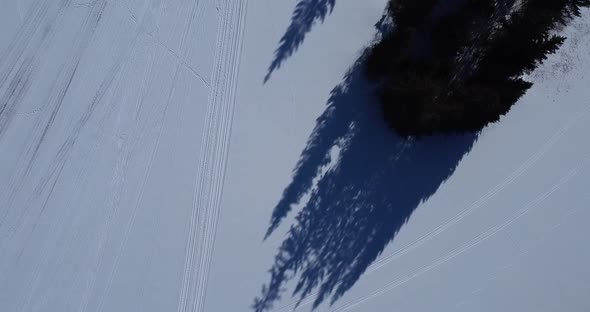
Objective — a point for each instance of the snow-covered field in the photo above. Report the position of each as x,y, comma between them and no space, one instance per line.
142,156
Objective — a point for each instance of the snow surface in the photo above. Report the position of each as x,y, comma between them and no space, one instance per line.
142,156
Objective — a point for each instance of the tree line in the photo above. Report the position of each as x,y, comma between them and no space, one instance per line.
449,66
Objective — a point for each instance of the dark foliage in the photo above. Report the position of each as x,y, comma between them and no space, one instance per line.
440,66
456,65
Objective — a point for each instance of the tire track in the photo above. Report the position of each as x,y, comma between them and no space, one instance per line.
530,206
17,61
213,156
479,203
88,29
20,84
63,83
61,87
23,37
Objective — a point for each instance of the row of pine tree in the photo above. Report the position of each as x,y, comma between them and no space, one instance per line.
450,66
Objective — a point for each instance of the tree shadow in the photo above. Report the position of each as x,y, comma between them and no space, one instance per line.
359,200
305,15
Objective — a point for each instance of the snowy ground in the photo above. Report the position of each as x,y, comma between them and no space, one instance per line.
142,156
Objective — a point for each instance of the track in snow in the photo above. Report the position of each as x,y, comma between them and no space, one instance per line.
454,220
530,206
213,158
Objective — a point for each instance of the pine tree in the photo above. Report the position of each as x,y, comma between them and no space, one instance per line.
457,65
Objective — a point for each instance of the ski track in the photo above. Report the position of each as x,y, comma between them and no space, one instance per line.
17,66
114,271
213,156
479,203
116,188
179,58
131,221
19,11
529,207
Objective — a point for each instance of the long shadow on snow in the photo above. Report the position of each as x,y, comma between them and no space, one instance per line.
360,203
305,15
